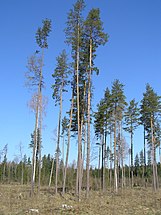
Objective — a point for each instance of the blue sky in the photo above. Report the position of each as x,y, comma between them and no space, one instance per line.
132,55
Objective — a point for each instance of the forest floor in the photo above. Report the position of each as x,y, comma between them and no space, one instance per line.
16,200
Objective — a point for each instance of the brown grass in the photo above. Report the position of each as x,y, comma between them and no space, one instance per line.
15,199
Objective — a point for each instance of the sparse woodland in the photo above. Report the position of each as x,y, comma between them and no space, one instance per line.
116,166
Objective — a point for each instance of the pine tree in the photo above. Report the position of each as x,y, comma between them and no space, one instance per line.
117,108
150,110
74,32
94,37
132,122
60,76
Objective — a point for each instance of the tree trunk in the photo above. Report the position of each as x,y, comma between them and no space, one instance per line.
99,163
115,158
132,178
153,156
51,172
36,126
34,150
144,168
58,143
68,146
110,158
78,185
89,116
40,130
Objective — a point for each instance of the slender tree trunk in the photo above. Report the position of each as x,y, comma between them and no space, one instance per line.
99,162
85,134
40,119
40,132
63,141
156,171
129,165
110,158
145,168
115,159
89,116
68,145
36,126
132,178
58,143
153,155
105,160
34,149
51,172
84,150
103,169
78,185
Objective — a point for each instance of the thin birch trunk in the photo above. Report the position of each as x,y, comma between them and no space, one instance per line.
40,118
40,132
51,172
36,126
34,150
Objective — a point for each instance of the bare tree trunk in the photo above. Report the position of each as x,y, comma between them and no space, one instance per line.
156,171
99,163
104,159
144,168
78,185
84,150
115,159
40,132
68,146
89,116
153,156
63,156
51,172
132,178
103,168
36,126
34,149
58,143
83,125
110,158
129,164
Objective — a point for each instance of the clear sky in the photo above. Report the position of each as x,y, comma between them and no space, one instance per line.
132,55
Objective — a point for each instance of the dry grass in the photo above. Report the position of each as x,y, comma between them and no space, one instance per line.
15,199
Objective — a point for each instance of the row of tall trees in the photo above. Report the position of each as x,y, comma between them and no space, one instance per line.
84,37
114,116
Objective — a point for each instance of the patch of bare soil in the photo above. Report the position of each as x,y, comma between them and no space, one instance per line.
16,200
